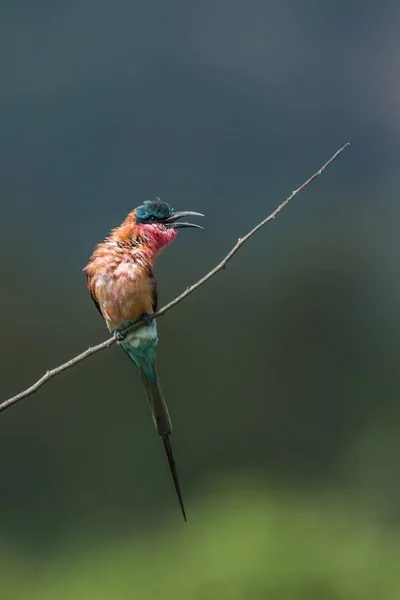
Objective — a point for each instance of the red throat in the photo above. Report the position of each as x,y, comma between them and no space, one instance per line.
158,236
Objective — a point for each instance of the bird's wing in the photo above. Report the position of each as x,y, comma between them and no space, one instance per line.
154,298
91,292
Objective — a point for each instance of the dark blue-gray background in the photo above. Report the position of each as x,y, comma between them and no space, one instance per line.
284,367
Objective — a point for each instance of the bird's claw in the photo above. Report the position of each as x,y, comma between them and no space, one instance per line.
119,335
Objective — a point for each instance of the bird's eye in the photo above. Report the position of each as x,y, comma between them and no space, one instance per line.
151,218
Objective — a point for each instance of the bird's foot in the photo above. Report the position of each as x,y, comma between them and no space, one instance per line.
119,335
146,319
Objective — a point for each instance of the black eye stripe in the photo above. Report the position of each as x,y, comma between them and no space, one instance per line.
152,217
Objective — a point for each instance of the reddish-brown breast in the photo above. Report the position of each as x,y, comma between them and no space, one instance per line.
119,275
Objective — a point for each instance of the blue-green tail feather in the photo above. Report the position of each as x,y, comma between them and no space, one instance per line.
146,363
141,348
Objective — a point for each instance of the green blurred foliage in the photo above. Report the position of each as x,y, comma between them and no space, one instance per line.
241,541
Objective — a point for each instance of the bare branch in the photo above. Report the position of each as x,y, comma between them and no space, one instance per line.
107,343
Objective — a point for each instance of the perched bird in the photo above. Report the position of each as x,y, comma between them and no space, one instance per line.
122,285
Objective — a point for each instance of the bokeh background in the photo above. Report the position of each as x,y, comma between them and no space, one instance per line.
282,373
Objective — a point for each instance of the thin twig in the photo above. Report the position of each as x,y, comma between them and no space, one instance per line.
107,343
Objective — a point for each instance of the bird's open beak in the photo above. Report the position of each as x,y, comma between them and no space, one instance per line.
171,221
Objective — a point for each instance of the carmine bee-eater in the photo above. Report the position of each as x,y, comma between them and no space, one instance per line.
122,285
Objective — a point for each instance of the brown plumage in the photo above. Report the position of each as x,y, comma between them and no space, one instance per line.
120,271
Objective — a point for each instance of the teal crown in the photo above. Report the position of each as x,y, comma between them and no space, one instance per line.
153,211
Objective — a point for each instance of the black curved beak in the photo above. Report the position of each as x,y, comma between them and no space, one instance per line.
171,221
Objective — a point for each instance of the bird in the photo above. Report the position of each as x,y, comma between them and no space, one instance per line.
120,280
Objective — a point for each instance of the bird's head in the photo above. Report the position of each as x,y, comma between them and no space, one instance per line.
160,221
161,213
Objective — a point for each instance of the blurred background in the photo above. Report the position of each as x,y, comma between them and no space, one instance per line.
281,373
